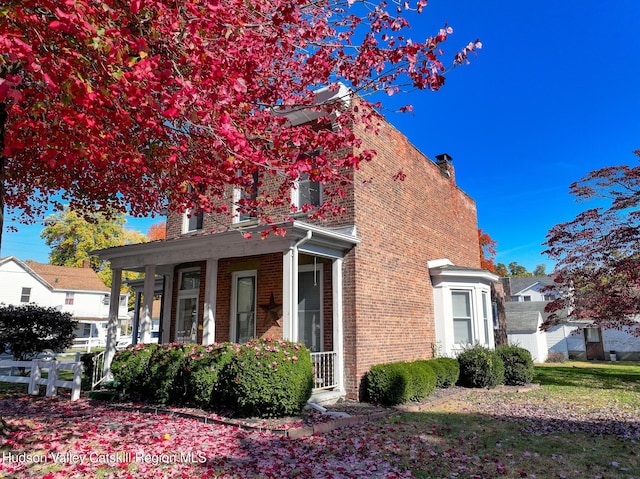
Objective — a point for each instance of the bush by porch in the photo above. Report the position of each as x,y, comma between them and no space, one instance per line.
264,378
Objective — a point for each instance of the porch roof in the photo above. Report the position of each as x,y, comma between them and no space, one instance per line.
312,239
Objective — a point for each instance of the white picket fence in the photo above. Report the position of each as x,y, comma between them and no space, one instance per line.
35,379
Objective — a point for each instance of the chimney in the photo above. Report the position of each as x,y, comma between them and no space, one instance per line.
85,263
444,162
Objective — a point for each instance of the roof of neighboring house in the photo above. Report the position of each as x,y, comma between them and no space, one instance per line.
67,278
524,317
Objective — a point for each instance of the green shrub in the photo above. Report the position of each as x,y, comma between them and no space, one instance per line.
422,380
518,365
480,368
452,371
163,381
439,371
130,367
388,384
202,375
29,329
267,378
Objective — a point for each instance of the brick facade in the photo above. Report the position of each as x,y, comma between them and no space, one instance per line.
388,305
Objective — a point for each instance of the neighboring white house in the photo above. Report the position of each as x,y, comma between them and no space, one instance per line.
78,291
575,339
523,327
528,288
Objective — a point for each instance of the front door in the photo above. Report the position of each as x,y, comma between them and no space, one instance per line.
593,343
310,307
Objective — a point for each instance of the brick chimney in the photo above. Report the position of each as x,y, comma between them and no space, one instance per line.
85,263
444,162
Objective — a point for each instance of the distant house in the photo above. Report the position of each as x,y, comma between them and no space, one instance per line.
528,288
525,312
78,291
523,327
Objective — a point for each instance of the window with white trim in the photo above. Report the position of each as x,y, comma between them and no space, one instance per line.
310,331
193,221
187,308
462,317
307,194
243,306
243,198
68,299
25,295
485,316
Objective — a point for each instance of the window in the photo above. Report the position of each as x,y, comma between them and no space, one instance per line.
193,221
526,298
123,300
25,295
243,199
310,307
461,302
485,316
187,308
243,307
307,192
68,299
549,297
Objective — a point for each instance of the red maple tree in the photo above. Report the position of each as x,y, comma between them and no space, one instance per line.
487,251
139,105
597,254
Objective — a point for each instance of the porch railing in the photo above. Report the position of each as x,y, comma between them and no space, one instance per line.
324,372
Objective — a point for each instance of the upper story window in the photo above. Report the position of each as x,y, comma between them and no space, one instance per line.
307,194
526,298
68,299
193,221
243,198
549,297
25,295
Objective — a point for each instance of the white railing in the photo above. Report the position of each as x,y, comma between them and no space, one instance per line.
35,379
324,370
97,375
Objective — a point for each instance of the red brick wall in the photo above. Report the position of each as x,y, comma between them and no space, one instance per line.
402,225
269,280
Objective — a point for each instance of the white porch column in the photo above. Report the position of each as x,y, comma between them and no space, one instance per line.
112,325
167,296
287,295
210,292
147,303
338,339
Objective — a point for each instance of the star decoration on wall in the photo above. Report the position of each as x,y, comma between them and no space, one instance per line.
272,309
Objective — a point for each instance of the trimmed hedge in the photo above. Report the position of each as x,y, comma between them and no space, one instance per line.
480,368
266,378
452,370
397,383
518,365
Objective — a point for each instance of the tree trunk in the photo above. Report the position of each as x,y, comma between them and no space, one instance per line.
498,297
3,161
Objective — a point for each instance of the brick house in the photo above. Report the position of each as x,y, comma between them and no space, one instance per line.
395,278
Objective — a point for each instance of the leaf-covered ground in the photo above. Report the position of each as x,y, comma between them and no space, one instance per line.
62,439
564,430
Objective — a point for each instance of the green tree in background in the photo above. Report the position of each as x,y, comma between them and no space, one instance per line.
72,237
541,270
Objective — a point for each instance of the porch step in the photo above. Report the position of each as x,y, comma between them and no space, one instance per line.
326,397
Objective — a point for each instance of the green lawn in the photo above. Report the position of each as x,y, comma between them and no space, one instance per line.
583,422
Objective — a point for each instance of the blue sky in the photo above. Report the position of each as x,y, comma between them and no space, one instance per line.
552,95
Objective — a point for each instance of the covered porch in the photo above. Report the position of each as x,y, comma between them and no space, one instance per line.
223,287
